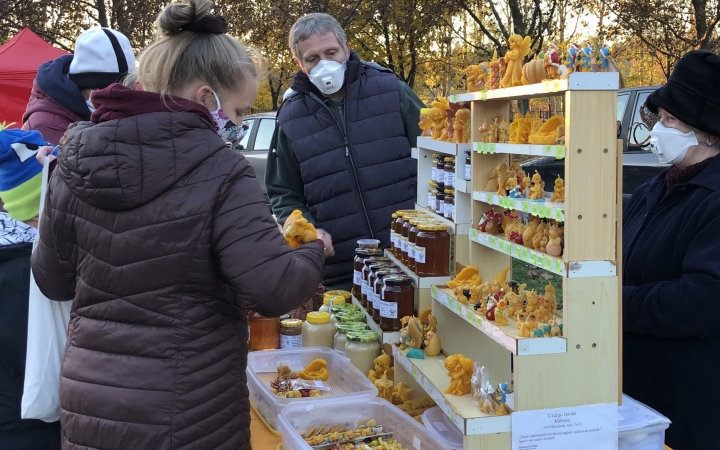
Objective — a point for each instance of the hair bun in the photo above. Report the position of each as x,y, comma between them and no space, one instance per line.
176,15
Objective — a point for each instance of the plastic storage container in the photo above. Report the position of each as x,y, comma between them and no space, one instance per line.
346,381
439,426
640,427
298,418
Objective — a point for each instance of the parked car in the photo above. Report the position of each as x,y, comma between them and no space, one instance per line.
256,143
639,162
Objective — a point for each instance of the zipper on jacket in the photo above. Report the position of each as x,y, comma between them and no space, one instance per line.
349,156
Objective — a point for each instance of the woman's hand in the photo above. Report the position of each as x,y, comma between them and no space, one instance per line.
327,242
44,152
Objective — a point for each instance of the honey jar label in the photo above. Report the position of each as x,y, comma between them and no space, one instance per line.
412,250
419,254
357,278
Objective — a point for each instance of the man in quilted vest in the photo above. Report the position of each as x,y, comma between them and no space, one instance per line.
343,140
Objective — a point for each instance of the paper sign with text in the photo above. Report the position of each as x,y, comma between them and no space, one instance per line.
593,427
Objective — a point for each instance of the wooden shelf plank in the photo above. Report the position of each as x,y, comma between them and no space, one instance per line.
385,337
463,411
544,209
572,269
420,282
579,81
463,185
453,227
505,336
447,148
558,151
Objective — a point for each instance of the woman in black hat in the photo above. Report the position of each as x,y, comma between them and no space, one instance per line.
671,260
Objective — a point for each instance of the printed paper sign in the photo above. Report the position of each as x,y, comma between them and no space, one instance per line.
593,427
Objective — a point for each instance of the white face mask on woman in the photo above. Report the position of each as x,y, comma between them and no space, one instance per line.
671,145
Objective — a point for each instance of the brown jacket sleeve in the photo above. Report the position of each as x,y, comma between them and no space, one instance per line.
49,275
267,275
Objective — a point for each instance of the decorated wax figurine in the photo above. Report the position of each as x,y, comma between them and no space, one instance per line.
532,301
515,192
514,303
583,57
460,370
536,189
383,366
551,296
540,240
475,78
519,48
484,132
558,191
524,329
604,58
439,122
556,330
548,133
493,73
462,116
554,244
514,136
569,60
432,344
503,131
538,333
552,64
545,313
490,309
486,219
532,321
502,171
500,313
493,134
425,123
428,321
501,398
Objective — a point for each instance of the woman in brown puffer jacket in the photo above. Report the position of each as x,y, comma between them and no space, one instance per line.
159,234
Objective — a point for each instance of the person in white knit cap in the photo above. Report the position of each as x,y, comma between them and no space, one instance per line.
62,87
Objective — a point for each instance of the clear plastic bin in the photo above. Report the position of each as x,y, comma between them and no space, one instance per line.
345,380
640,427
296,419
440,426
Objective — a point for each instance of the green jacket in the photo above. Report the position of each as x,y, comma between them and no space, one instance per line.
282,173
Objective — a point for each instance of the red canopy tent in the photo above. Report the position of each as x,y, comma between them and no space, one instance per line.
20,58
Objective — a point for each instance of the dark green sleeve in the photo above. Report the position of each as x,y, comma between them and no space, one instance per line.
411,105
283,181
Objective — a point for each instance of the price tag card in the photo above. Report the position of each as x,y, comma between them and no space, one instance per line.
526,207
525,254
414,372
488,198
454,98
549,150
470,316
559,151
492,148
508,248
533,258
473,234
483,95
535,209
592,427
548,262
559,215
433,291
458,308
557,266
493,241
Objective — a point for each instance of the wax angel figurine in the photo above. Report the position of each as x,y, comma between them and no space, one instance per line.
519,49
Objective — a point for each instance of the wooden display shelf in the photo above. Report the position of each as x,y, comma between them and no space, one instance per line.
578,81
420,282
463,185
545,209
506,336
572,269
558,151
453,227
415,153
385,337
463,411
446,148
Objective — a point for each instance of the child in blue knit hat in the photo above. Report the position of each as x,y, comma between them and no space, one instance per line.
20,183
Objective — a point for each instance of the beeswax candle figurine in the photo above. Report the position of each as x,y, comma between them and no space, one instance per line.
569,59
519,49
426,122
558,191
501,398
484,132
462,116
536,189
501,313
460,370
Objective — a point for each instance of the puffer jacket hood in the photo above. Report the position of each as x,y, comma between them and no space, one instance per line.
120,171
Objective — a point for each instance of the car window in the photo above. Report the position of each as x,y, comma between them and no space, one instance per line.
264,134
622,101
250,123
639,133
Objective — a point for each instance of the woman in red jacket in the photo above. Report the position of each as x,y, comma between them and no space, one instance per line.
159,234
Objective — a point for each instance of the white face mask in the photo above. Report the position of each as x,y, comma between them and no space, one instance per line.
328,76
671,145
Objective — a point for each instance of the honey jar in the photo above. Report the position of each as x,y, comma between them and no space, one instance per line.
397,301
360,255
432,257
449,212
449,172
377,290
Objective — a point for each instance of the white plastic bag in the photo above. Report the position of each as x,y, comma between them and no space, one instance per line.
47,335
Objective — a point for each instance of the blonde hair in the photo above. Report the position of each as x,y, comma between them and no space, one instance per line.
180,57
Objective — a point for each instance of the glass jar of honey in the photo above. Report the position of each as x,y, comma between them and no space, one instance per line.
377,290
360,255
371,283
449,172
432,257
434,170
440,201
397,301
291,333
450,204
432,193
404,232
264,332
468,166
396,226
412,235
367,262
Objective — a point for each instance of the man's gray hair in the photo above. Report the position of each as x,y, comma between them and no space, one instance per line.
315,23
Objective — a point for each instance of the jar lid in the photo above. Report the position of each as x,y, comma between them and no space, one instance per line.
436,155
375,259
467,152
333,299
381,265
408,215
383,273
351,326
432,227
350,316
318,317
400,212
449,159
368,252
334,309
291,323
450,191
418,220
432,183
362,336
397,280
368,243
347,295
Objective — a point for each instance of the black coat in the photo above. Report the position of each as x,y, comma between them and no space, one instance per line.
671,312
17,434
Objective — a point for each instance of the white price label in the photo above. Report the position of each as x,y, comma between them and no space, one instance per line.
357,278
434,174
290,341
420,254
405,244
431,201
364,287
441,208
449,179
411,250
449,211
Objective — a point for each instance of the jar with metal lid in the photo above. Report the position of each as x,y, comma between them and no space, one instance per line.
440,199
433,250
367,262
362,348
449,172
317,331
412,234
342,330
468,166
368,243
397,227
371,283
450,204
405,249
329,300
393,234
397,301
377,290
350,316
434,174
441,170
432,192
360,255
264,332
345,294
345,307
291,333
